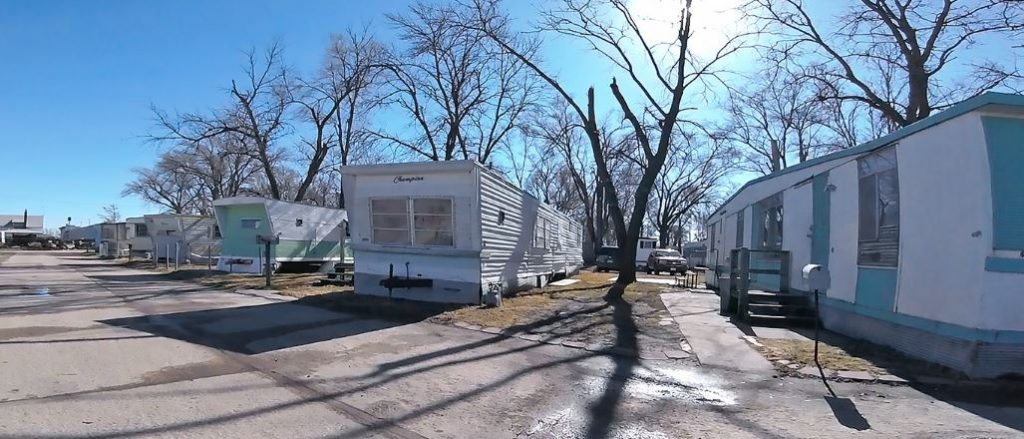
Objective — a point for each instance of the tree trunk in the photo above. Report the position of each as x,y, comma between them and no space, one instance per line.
590,246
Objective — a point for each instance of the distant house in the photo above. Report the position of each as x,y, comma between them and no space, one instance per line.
304,235
181,238
137,233
922,232
113,242
72,233
20,229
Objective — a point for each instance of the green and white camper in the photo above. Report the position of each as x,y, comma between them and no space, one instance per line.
303,234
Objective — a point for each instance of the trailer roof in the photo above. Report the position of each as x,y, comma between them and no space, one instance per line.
1004,100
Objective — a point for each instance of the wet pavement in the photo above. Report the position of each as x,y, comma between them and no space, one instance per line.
112,352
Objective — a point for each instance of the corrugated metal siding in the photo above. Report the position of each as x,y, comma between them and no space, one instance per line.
997,359
508,255
976,359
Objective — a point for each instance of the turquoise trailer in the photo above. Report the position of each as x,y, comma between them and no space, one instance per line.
304,234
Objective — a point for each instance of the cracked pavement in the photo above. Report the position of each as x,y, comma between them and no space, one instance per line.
90,349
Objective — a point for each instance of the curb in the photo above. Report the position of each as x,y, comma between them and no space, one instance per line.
684,351
853,376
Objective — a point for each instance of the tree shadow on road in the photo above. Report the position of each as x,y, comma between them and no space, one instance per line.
602,412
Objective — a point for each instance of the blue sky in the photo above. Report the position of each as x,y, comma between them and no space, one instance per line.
79,78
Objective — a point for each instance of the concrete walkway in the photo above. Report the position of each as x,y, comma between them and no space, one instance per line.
715,341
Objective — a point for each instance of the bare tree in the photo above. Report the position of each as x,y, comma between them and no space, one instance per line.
563,146
217,167
661,73
360,58
463,96
780,109
902,58
168,186
330,101
690,178
257,115
111,214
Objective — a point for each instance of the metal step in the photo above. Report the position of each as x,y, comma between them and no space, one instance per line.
779,298
780,321
776,309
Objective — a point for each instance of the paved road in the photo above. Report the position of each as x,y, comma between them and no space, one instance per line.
92,349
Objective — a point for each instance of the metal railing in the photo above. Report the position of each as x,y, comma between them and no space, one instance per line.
766,270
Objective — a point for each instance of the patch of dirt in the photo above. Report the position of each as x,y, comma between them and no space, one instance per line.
837,352
801,352
577,312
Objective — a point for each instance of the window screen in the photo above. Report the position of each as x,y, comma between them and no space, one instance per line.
879,209
771,222
250,224
540,233
417,221
433,221
711,236
141,230
390,221
739,229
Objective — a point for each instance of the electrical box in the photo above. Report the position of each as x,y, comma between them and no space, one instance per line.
816,277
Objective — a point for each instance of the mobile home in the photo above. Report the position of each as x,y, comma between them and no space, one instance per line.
306,235
113,240
182,238
139,241
644,247
452,232
921,231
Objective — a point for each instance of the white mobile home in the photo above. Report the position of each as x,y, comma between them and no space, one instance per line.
182,238
644,247
312,236
139,241
113,242
921,230
452,232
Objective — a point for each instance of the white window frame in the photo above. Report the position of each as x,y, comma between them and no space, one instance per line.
540,233
410,229
873,174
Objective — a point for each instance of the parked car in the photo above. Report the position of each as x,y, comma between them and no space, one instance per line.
607,259
666,260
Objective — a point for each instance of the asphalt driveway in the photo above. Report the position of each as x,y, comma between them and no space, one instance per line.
88,348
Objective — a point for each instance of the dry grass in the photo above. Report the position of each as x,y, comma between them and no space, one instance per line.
290,284
801,352
538,303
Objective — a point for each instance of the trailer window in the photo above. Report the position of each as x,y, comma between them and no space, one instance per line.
540,233
879,216
389,219
250,224
432,221
413,221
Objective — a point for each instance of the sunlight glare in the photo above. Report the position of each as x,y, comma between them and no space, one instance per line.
713,21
